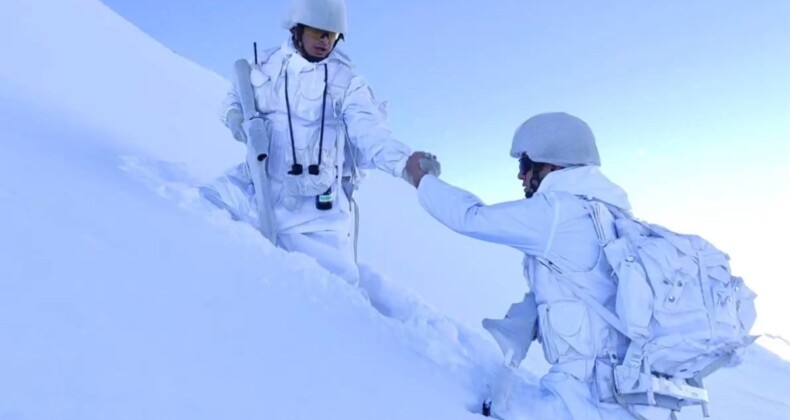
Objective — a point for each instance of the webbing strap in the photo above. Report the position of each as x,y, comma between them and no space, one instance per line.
597,216
621,401
356,225
604,313
707,297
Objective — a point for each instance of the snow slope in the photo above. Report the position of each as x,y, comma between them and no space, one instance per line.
122,295
125,306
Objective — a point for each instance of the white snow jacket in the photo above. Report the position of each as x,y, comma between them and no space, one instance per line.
355,133
554,225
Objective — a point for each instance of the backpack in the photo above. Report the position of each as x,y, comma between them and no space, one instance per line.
682,311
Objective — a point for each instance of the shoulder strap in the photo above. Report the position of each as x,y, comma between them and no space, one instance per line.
676,240
597,211
604,313
340,83
264,57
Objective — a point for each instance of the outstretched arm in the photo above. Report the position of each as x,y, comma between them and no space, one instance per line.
522,224
368,131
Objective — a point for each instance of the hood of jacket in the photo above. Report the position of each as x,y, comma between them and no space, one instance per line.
585,181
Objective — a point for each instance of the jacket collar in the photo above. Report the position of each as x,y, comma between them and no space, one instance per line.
297,63
585,181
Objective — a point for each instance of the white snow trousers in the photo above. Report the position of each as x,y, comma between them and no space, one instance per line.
333,249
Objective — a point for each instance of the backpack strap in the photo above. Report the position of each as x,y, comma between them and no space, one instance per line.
634,372
266,55
706,291
597,211
585,297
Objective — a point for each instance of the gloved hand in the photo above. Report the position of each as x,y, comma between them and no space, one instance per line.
235,123
430,164
420,164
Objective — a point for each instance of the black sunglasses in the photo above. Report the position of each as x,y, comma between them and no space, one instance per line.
525,164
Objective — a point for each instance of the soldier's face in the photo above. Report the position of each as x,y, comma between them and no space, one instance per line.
318,43
528,180
526,183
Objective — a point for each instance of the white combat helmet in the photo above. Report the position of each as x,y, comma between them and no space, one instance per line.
556,138
329,15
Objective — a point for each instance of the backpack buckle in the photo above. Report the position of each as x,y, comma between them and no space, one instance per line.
680,390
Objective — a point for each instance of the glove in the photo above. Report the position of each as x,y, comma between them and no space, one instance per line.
234,122
418,165
430,164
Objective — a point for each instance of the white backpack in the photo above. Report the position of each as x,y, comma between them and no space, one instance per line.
683,312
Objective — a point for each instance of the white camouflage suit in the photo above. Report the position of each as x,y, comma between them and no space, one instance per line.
554,225
355,136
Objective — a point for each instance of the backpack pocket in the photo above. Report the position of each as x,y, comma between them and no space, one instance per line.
747,313
565,331
734,310
725,301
